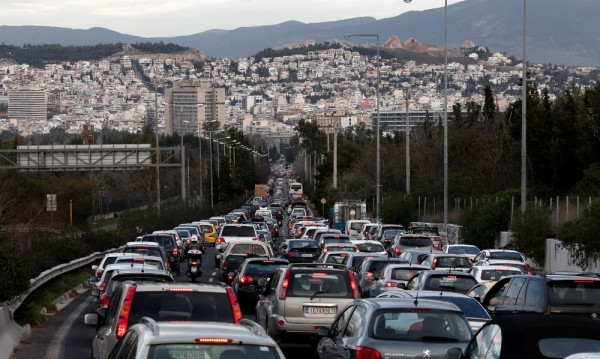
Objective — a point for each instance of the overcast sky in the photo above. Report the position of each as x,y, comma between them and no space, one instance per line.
150,18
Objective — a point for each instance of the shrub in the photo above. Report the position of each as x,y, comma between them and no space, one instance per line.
530,232
482,224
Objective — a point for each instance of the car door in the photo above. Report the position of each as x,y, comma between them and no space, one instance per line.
327,347
349,341
103,340
264,307
509,302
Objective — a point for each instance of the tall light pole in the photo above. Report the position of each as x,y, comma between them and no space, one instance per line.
524,118
378,133
445,111
407,97
157,153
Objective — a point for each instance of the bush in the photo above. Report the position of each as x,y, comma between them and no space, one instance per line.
581,235
12,281
530,232
399,208
482,225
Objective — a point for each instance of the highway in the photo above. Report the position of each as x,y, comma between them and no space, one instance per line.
66,336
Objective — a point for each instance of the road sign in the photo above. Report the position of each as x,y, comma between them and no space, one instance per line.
51,202
323,201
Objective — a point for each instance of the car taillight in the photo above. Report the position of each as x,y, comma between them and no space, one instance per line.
390,284
175,252
125,311
101,288
527,268
292,254
225,264
354,287
367,353
256,239
245,280
99,272
434,263
187,241
396,251
284,286
235,306
368,275
220,240
104,301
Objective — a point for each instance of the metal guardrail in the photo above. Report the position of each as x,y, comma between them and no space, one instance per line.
54,272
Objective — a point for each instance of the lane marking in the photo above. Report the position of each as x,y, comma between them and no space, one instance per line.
54,349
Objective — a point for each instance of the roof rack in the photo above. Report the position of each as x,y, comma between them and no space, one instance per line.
152,324
317,265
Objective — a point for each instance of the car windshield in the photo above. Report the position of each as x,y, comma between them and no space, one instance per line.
370,247
416,241
307,283
449,282
574,292
238,231
168,305
419,324
205,351
512,256
463,250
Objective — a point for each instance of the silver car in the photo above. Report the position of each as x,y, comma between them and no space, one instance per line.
395,328
300,297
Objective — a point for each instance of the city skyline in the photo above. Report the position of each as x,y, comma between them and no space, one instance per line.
194,16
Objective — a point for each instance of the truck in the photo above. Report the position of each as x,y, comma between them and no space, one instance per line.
261,190
346,210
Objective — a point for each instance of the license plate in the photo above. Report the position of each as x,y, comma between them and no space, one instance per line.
320,310
307,255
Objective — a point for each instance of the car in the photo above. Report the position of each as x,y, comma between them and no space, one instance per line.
531,336
340,247
394,328
209,231
175,235
365,230
428,230
195,232
236,252
233,232
476,315
333,257
137,274
299,250
147,248
370,270
467,249
492,272
162,302
455,262
301,297
502,256
480,290
549,294
141,260
409,242
353,227
369,247
245,283
392,275
386,232
167,241
265,237
354,259
150,339
319,232
416,257
441,280
100,284
108,259
333,238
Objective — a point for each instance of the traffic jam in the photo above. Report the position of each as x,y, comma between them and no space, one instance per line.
272,280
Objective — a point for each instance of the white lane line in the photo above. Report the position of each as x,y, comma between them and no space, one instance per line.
55,346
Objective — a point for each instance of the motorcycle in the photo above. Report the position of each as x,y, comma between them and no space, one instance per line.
194,264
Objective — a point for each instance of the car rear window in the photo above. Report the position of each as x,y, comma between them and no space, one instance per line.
376,266
565,346
339,239
404,273
303,244
513,256
496,274
262,269
416,241
201,351
183,233
246,249
452,262
337,258
141,261
177,305
238,231
356,226
206,228
419,325
138,278
165,241
192,230
370,247
144,250
391,233
470,307
450,282
328,283
580,292
463,250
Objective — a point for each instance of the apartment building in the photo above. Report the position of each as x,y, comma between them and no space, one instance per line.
192,106
28,104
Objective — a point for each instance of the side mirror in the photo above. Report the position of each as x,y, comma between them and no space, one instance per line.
95,267
402,285
323,332
454,353
95,292
91,319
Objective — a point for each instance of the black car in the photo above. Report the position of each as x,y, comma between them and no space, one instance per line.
300,250
531,336
550,294
168,243
245,283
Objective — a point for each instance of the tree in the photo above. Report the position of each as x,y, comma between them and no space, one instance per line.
581,235
483,224
489,105
530,232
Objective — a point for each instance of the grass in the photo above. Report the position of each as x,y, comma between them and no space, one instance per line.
30,312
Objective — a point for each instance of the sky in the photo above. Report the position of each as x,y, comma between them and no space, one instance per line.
150,18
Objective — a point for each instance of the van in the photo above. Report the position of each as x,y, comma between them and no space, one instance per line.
354,226
295,188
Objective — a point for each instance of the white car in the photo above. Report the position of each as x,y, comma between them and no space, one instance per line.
374,247
502,256
492,272
467,249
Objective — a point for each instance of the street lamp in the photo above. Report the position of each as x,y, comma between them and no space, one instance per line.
524,118
378,170
445,111
407,97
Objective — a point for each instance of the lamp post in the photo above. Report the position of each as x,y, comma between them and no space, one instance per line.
378,163
407,97
445,111
524,118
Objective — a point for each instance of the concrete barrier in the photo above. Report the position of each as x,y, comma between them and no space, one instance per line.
10,333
